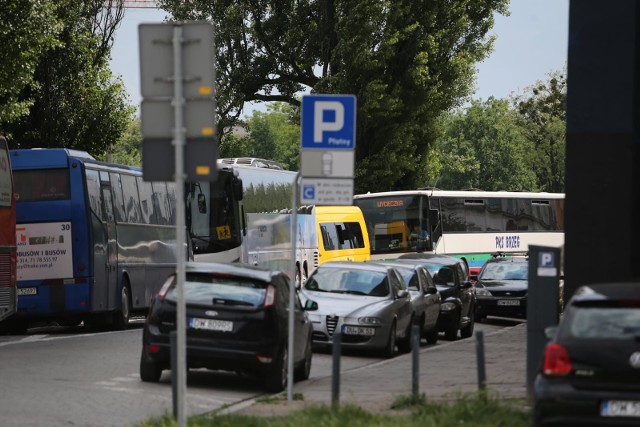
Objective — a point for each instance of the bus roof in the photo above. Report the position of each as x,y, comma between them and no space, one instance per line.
460,194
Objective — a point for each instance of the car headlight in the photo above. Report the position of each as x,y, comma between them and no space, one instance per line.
369,320
447,306
483,292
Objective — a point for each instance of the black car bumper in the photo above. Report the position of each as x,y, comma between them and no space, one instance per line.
502,306
215,355
557,402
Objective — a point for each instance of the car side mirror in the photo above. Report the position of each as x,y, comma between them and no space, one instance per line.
432,291
310,305
202,204
550,332
402,293
467,285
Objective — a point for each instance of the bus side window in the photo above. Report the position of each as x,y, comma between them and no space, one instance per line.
146,202
118,199
171,202
93,190
160,202
131,198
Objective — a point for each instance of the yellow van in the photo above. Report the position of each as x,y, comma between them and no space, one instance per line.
342,234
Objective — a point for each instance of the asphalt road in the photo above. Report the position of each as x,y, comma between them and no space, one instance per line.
68,376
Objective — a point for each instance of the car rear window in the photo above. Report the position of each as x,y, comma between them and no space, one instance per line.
206,289
345,281
605,322
505,271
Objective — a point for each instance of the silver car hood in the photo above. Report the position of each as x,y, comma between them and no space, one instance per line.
346,305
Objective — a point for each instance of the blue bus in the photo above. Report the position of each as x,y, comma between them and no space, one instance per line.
94,241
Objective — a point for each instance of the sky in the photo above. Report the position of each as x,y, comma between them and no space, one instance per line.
530,43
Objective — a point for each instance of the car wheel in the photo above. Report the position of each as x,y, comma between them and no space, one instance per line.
390,349
121,316
303,371
406,343
149,370
432,336
276,377
467,331
451,332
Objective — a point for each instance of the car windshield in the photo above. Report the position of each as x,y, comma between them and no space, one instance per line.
203,288
347,281
505,271
605,322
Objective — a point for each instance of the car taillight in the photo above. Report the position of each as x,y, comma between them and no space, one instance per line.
270,297
556,361
165,288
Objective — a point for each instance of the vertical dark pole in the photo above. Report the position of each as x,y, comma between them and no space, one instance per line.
482,374
173,340
415,376
335,380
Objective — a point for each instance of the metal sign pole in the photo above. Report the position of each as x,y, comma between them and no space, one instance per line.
179,142
292,288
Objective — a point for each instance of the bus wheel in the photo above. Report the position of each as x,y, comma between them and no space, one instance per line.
121,316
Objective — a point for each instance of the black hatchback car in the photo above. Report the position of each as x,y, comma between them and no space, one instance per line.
237,320
590,373
458,296
502,287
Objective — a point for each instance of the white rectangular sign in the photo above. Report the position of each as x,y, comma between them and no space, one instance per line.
326,191
327,163
44,251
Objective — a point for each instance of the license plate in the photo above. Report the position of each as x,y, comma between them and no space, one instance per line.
620,408
27,291
508,302
211,324
357,330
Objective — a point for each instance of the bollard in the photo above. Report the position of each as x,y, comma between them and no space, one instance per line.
173,340
335,380
415,377
482,377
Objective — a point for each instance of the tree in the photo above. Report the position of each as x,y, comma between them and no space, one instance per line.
76,101
543,111
28,30
406,61
484,147
128,149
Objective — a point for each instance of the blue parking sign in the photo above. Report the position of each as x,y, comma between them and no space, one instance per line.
329,122
308,192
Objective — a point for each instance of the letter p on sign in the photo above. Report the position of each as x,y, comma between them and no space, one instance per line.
320,125
546,259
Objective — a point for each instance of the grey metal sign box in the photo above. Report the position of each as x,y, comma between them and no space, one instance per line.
157,118
156,59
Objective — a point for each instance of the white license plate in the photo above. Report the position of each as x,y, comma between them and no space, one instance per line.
508,302
211,324
27,291
357,330
620,408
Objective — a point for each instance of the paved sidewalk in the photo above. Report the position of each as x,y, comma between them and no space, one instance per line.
446,370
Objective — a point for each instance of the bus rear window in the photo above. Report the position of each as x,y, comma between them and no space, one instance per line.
41,185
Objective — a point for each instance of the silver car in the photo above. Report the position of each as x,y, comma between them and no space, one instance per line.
424,297
368,303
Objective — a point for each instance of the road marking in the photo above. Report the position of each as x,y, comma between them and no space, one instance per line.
43,338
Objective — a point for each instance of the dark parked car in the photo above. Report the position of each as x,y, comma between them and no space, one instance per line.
237,320
458,296
424,297
367,302
591,369
502,287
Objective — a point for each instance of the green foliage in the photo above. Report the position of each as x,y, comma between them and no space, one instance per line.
274,135
128,149
74,99
484,147
467,410
542,109
406,61
28,30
